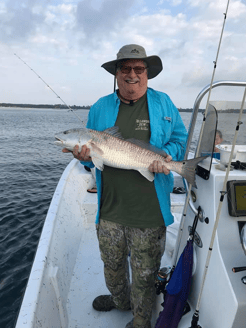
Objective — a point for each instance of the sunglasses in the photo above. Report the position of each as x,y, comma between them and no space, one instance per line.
137,69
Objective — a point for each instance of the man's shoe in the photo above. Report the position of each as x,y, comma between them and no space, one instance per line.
104,303
130,324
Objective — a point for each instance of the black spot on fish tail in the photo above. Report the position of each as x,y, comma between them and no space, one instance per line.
189,169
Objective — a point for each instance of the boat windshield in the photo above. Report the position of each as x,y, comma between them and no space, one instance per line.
228,116
217,137
207,137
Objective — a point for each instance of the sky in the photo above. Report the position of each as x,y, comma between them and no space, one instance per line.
66,42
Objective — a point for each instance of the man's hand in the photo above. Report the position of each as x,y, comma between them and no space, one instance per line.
83,155
158,167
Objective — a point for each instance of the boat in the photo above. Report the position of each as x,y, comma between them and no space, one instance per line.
218,285
67,272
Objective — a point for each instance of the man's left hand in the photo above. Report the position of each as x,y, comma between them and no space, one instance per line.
158,167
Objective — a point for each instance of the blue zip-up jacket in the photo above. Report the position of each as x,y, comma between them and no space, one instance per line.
167,132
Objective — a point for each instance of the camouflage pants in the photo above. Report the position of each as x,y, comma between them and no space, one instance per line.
146,247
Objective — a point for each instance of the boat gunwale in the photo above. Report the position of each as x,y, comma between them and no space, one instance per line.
39,262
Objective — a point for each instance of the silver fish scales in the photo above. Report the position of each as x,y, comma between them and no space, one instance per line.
109,148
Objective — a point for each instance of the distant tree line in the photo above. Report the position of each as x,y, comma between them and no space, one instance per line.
218,110
57,106
60,106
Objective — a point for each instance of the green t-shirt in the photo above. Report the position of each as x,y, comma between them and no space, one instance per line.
128,198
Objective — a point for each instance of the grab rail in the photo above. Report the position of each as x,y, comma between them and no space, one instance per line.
194,118
197,105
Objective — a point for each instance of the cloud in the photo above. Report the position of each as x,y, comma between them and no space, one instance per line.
18,20
176,2
100,23
3,9
67,40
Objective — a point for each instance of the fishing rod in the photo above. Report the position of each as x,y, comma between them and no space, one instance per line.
212,79
70,109
191,130
223,193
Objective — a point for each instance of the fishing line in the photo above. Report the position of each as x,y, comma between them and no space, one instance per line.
199,144
212,80
70,109
195,317
223,192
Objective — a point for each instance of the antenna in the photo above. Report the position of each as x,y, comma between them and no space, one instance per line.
70,109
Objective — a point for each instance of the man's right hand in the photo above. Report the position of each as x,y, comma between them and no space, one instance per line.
83,155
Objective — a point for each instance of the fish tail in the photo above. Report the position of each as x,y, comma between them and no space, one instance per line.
189,169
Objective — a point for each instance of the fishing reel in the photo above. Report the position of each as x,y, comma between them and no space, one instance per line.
162,279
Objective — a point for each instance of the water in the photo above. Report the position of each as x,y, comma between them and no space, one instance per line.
30,168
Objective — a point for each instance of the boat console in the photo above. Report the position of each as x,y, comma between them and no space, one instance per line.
218,287
223,302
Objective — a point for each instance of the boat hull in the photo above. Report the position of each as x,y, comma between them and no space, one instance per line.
67,273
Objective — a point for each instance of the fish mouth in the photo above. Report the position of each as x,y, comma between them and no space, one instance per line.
58,141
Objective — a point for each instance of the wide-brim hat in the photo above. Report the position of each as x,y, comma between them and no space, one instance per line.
134,51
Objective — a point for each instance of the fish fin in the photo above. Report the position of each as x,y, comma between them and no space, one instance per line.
98,162
114,131
147,146
189,169
96,149
147,174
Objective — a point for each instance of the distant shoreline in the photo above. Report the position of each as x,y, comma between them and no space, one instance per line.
47,106
74,107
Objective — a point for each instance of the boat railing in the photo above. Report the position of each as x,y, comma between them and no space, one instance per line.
197,103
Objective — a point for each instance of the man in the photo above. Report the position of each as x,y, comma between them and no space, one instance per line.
133,211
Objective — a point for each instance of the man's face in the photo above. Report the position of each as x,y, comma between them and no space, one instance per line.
131,85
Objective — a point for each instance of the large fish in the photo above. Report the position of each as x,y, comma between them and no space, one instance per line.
108,147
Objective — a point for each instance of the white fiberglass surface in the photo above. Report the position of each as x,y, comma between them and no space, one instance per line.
88,281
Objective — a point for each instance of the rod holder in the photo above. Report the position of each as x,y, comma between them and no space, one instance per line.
194,322
239,269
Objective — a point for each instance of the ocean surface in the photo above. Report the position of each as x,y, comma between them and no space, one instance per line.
30,168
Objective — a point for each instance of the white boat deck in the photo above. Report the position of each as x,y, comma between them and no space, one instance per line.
67,272
88,279
87,283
